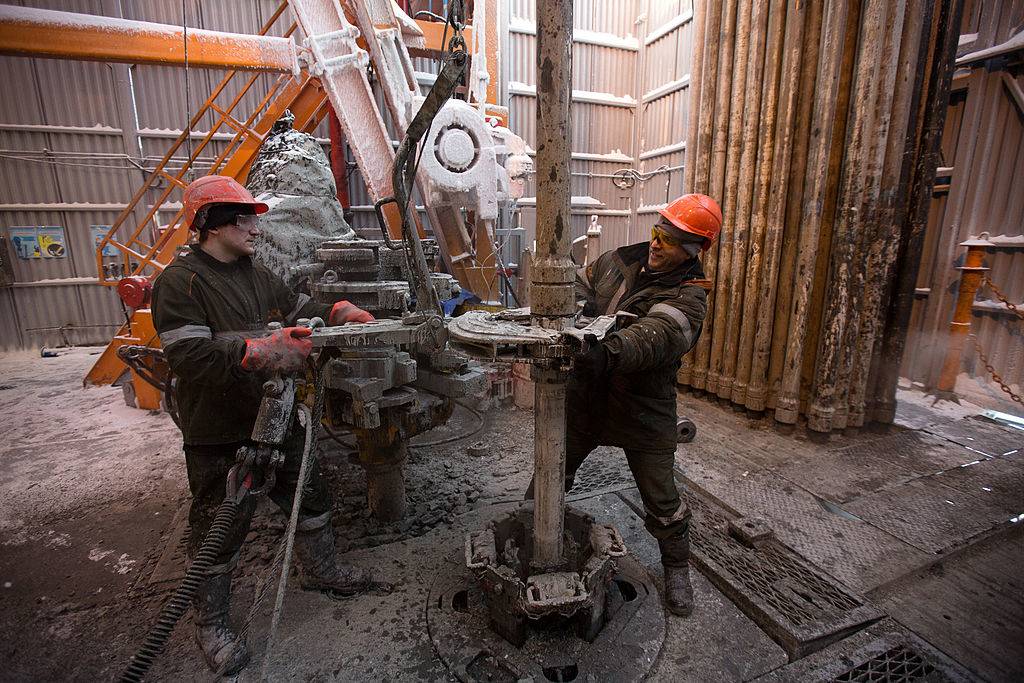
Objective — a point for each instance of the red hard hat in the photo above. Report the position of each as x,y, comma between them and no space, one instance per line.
215,189
697,214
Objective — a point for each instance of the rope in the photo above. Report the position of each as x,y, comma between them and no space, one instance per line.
293,525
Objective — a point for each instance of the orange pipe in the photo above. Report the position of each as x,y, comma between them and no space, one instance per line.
970,279
33,32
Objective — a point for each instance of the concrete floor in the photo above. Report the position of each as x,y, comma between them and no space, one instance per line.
916,518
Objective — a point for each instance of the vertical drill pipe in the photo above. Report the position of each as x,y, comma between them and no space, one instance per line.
700,9
692,125
762,192
882,168
970,278
796,15
700,157
864,209
552,300
745,253
793,225
716,185
727,281
827,388
939,45
835,68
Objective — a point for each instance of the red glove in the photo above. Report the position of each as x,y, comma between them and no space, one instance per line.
346,312
285,350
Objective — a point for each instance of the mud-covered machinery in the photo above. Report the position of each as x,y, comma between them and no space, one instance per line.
391,379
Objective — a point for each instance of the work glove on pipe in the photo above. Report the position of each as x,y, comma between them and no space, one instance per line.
347,312
285,350
593,364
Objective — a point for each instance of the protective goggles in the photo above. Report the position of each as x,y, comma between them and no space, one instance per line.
247,221
665,237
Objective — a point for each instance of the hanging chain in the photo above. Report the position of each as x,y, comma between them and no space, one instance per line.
1002,297
992,371
457,20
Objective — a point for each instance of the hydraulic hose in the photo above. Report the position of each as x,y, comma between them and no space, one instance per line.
175,608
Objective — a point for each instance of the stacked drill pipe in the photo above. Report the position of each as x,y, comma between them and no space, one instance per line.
814,127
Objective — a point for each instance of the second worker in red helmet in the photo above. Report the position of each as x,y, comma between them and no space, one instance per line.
622,392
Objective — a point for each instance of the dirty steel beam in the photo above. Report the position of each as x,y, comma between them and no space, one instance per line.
552,300
33,32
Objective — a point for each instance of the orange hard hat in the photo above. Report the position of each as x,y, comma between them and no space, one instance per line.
697,214
215,189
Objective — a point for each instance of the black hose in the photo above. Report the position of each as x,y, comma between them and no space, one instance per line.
175,608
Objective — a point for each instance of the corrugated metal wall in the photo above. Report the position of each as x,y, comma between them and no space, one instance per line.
74,140
978,191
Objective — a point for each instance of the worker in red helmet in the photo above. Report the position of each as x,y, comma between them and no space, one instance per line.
622,391
211,308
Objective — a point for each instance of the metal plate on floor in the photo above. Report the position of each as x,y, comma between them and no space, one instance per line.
800,607
928,514
604,471
982,435
173,558
625,649
884,653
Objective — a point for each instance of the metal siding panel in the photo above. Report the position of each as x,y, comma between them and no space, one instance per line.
10,332
19,77
97,171
25,178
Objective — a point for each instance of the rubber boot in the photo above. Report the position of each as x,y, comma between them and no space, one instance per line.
675,555
225,653
319,568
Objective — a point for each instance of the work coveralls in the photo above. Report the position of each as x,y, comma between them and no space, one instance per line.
203,309
634,406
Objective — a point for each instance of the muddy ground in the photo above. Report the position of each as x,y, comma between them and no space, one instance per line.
93,493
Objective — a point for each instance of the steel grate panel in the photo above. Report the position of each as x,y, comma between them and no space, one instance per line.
898,665
779,577
796,604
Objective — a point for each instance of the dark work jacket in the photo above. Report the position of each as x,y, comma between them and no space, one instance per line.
203,310
635,405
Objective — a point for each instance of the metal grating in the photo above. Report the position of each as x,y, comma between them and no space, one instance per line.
895,666
800,607
782,578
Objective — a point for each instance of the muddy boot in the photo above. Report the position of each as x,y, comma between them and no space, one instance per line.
675,555
225,653
319,570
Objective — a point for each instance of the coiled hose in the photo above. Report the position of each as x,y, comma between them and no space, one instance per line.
179,603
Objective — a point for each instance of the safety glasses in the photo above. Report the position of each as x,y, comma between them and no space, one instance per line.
247,221
663,236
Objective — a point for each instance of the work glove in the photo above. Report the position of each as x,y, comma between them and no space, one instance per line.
285,350
347,312
592,365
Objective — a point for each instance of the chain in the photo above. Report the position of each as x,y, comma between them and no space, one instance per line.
992,371
1002,297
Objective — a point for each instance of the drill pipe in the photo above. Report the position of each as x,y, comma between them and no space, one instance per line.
552,300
